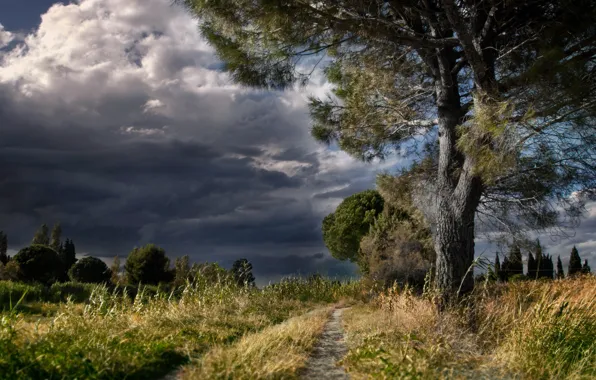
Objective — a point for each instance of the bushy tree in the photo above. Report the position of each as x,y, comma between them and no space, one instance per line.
39,263
41,236
505,89
148,265
211,273
398,246
91,270
344,228
586,268
560,272
11,271
575,263
56,236
3,248
242,272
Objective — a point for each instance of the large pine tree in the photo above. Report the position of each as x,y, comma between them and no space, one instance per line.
575,263
491,82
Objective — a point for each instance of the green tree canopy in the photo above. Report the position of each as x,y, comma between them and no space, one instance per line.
242,272
503,91
39,263
90,269
344,228
148,265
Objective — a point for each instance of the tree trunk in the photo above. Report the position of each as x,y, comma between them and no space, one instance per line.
458,195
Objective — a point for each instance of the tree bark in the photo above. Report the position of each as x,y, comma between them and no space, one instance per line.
458,195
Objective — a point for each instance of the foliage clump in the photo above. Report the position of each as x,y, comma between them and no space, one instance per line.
91,270
148,265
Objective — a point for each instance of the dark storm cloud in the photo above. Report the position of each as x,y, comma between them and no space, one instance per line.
155,145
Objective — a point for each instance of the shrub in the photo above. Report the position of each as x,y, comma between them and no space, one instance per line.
91,270
39,263
148,265
76,291
11,292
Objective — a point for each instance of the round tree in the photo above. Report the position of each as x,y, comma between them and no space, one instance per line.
90,269
39,263
147,265
343,229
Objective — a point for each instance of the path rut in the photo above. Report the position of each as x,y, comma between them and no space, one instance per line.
330,349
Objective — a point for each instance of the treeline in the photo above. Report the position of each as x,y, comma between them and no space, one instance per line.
539,265
50,260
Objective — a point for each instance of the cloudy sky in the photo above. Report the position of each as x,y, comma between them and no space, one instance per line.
117,121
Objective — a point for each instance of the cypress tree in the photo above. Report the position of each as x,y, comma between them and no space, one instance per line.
560,273
41,236
548,268
55,242
531,266
516,265
575,263
586,268
68,254
3,248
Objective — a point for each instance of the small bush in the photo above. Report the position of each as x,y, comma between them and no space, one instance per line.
90,270
75,291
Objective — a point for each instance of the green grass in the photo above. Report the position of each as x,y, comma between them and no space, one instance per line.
113,336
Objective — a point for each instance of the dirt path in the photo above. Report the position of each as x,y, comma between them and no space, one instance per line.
328,351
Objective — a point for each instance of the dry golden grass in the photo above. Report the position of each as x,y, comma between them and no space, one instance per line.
277,352
527,330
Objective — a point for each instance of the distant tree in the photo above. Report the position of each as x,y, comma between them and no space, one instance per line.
3,248
181,270
39,263
497,266
55,240
91,270
115,269
586,268
67,256
547,267
575,263
532,268
147,265
210,273
242,272
560,273
344,228
41,236
516,265
504,274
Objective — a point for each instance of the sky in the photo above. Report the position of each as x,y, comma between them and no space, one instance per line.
117,121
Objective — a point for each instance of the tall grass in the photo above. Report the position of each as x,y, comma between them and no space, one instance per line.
529,329
113,336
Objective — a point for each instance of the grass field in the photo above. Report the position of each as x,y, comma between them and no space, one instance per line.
526,330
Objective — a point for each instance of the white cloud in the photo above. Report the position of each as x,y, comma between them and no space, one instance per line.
6,37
